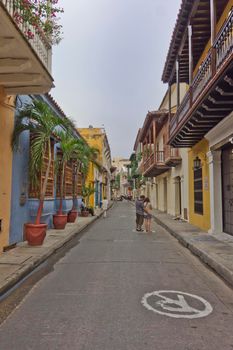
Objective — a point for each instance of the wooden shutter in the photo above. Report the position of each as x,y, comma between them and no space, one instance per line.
198,191
68,180
79,184
34,190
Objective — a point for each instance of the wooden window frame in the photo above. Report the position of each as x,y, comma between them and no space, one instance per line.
198,189
34,192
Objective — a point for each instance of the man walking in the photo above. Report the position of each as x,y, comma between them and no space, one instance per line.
139,213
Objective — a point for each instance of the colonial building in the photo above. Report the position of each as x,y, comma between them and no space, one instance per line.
99,176
25,69
200,55
164,167
122,173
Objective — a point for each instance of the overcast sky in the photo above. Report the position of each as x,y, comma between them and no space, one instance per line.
108,67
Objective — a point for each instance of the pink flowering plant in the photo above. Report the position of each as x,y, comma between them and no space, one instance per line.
42,16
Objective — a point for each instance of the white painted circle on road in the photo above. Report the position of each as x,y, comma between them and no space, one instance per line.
176,304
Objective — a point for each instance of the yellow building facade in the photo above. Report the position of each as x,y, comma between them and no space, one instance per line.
199,193
7,112
200,150
98,176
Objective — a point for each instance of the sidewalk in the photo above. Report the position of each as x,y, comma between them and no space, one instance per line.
214,250
20,261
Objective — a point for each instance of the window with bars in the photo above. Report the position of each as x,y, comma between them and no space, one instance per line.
198,191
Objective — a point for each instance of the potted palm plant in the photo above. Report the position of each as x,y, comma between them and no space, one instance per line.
83,155
68,148
87,191
78,155
42,123
73,213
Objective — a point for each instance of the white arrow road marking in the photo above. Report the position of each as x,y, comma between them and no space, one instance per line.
180,307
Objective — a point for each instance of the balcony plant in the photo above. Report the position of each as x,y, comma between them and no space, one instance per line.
42,16
42,123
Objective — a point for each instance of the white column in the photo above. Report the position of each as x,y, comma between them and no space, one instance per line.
183,202
215,174
190,33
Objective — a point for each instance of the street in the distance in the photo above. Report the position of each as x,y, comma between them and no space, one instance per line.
93,299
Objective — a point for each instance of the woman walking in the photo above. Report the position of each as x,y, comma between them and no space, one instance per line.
148,214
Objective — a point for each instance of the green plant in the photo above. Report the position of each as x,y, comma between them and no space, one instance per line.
69,148
81,157
42,123
117,181
87,191
81,154
42,16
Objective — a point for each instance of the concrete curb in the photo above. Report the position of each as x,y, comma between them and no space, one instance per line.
223,268
25,270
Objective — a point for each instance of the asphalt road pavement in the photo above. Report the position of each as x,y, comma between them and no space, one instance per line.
119,289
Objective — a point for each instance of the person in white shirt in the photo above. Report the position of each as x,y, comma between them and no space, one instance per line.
105,206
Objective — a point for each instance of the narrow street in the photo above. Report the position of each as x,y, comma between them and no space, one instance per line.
92,300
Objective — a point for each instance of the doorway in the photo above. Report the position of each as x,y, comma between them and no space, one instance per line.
227,189
165,194
178,196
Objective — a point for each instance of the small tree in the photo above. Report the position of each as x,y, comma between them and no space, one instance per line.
42,123
69,147
87,191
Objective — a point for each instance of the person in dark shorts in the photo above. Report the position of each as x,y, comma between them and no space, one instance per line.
147,214
139,213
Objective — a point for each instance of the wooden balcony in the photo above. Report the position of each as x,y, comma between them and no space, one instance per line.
154,164
25,64
210,97
172,156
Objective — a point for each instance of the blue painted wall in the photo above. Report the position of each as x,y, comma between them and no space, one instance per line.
19,194
24,209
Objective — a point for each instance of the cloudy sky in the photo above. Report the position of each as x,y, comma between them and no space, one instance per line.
108,67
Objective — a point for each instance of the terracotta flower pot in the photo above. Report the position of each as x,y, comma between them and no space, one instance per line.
72,215
85,213
59,221
35,234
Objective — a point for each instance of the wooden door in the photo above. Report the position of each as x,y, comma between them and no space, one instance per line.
227,189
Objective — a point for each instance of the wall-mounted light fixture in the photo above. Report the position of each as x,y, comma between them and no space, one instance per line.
197,163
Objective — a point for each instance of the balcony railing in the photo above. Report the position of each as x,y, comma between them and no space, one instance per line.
224,42
215,59
159,157
149,161
171,152
38,41
203,77
155,158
